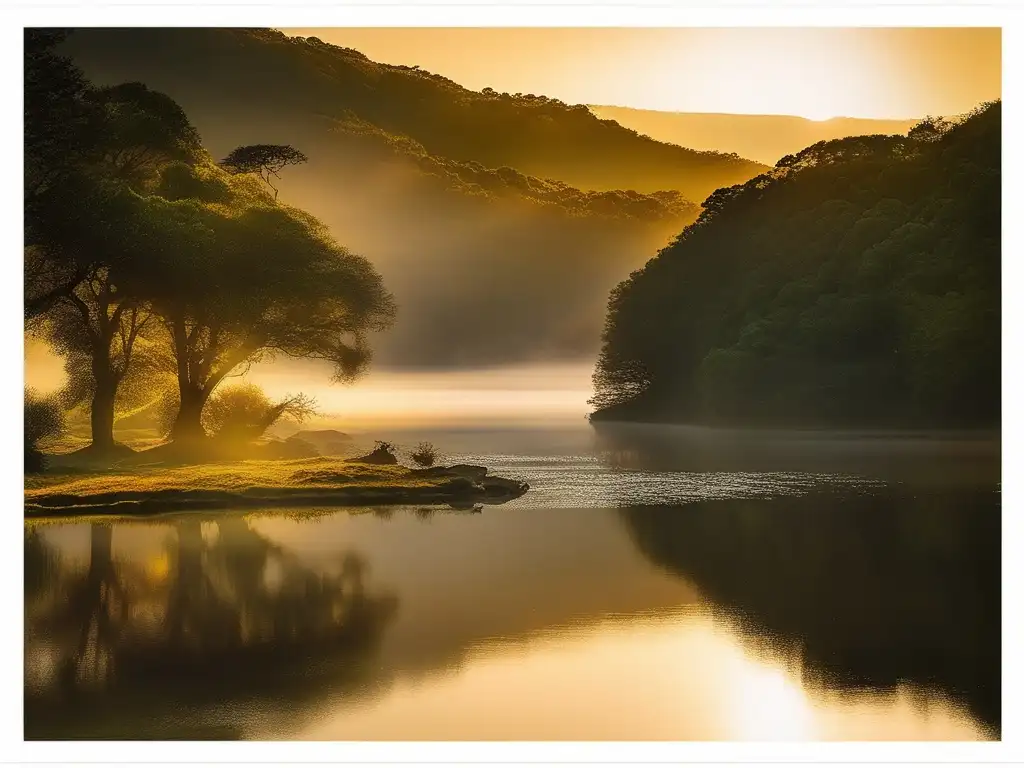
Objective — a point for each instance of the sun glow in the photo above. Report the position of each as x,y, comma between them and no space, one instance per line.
807,73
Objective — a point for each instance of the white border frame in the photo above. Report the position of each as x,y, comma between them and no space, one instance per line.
570,13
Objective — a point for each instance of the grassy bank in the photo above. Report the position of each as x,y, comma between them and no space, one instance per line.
326,481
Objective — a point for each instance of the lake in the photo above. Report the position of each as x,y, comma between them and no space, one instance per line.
654,584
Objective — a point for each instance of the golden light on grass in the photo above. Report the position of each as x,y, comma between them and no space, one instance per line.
321,472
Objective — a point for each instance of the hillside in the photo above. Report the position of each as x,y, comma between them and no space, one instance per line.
463,220
858,282
264,71
764,138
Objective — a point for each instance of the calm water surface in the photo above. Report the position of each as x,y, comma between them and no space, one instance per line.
659,584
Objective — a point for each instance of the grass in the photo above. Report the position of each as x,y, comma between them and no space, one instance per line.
319,472
297,482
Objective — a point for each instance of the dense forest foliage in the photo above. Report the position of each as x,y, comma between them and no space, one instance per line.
535,134
857,282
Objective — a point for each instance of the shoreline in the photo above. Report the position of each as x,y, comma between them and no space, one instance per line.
247,485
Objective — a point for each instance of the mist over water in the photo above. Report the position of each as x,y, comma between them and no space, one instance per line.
542,394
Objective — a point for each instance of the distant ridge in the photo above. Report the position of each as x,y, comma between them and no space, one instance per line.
764,138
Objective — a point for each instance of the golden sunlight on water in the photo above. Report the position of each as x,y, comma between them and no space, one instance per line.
680,677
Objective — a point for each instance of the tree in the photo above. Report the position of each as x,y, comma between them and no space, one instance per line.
81,143
100,320
90,223
264,160
57,137
269,280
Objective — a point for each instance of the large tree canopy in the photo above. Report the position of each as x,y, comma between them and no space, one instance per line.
246,278
135,238
85,148
857,282
87,272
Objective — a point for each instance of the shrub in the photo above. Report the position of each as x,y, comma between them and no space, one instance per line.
384,447
425,454
44,419
236,409
239,411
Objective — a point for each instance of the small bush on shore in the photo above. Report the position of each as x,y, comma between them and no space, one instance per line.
424,455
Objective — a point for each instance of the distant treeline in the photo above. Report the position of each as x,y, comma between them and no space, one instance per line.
857,282
474,179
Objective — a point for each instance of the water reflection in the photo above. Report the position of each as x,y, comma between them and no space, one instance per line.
830,616
703,586
930,459
213,614
867,591
681,675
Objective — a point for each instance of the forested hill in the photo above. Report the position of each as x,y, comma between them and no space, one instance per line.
255,70
856,283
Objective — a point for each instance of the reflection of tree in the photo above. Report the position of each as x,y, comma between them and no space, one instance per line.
91,610
961,459
40,565
237,617
874,590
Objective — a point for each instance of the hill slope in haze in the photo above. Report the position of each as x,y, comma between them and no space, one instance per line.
473,206
857,283
536,135
764,138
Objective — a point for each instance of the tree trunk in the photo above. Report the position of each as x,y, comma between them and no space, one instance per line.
103,413
188,424
103,396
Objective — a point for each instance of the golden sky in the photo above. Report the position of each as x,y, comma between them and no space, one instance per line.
815,73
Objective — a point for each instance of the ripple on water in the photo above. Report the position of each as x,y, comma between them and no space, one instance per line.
586,481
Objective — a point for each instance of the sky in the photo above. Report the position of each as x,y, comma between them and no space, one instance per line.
817,73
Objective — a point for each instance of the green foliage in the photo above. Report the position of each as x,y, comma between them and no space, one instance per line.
858,282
